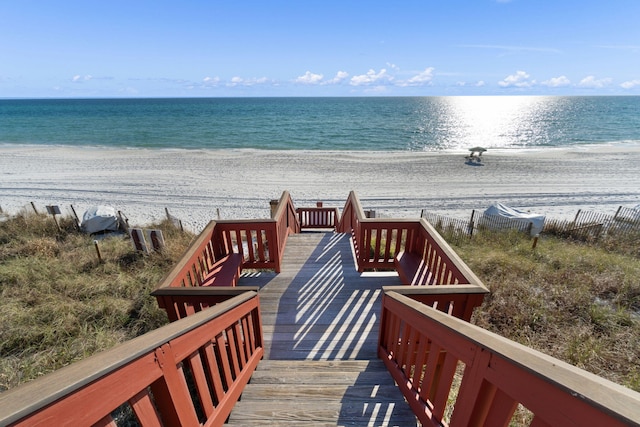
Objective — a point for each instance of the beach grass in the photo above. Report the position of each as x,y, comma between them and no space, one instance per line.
61,303
577,302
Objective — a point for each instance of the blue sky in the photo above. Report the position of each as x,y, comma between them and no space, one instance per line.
331,48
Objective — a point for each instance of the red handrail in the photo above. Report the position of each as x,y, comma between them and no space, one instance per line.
378,241
214,351
318,217
423,348
259,242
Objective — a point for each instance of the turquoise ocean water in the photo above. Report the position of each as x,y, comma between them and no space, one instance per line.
371,124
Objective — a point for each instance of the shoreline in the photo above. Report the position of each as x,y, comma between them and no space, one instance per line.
194,184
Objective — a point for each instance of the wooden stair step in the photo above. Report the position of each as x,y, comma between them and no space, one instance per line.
322,393
300,413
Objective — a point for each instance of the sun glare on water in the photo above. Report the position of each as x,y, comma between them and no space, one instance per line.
492,121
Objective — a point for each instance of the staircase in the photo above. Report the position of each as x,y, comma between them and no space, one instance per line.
320,325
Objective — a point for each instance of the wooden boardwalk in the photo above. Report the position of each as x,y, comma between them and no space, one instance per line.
320,322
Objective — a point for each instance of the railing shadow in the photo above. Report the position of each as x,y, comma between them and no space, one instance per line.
331,312
323,315
373,400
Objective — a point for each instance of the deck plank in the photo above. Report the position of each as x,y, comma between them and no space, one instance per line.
320,326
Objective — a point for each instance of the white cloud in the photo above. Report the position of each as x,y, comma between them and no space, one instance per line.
419,79
557,82
211,81
340,76
310,78
239,81
519,79
630,84
78,78
592,82
370,78
480,83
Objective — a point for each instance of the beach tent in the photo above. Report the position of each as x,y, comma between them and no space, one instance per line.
99,219
499,210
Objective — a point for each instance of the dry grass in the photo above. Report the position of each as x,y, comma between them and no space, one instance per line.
576,302
61,304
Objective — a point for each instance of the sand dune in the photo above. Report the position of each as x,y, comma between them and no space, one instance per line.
195,184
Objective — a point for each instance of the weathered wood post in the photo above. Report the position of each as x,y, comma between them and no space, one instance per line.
95,243
274,206
471,224
75,215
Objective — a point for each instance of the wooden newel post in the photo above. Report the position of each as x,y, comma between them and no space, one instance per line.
274,206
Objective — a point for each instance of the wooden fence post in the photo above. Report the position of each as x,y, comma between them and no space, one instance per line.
575,220
75,215
471,224
95,243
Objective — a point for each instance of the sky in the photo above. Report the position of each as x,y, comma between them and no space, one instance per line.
240,48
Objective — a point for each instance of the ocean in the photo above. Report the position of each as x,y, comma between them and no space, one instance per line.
357,124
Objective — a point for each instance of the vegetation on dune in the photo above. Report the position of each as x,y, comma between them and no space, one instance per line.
60,303
574,301
577,302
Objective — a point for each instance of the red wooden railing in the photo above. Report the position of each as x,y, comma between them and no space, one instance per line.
259,242
188,373
423,349
183,302
378,241
318,217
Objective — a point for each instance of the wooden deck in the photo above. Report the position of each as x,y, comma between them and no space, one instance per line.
320,325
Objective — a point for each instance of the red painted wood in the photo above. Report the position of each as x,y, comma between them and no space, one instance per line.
96,403
200,379
171,392
502,410
492,384
160,372
214,372
146,413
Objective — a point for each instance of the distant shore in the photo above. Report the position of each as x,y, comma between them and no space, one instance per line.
196,185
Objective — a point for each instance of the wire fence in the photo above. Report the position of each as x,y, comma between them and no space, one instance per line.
586,226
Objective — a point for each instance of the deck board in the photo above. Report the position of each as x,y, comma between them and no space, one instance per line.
320,325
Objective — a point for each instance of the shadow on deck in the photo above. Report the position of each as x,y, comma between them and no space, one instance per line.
320,322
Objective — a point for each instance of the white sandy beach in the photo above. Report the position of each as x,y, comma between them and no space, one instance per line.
194,185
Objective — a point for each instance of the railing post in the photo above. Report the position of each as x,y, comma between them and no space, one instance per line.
171,391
